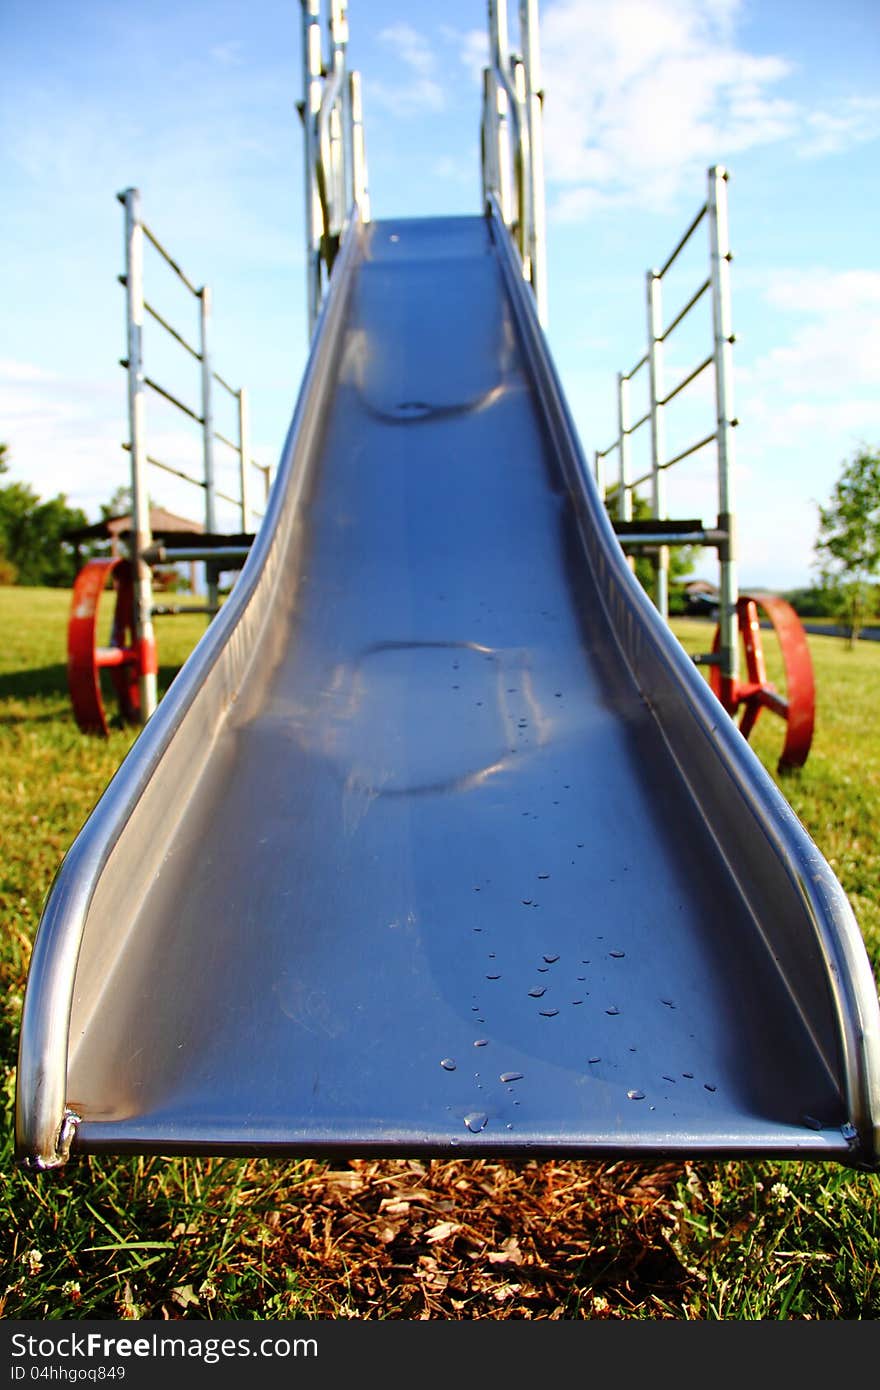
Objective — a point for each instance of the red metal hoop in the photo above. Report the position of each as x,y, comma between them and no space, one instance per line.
755,693
85,658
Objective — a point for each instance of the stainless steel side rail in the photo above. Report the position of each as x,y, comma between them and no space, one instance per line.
136,231
714,209
769,852
187,718
513,172
335,162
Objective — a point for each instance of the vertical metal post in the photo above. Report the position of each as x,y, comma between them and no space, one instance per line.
339,40
624,496
312,69
720,257
208,431
360,194
599,474
489,152
140,500
528,23
658,433
244,456
498,48
522,165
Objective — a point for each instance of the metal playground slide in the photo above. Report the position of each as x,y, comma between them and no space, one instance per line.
439,843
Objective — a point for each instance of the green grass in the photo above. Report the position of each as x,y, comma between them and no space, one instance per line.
259,1239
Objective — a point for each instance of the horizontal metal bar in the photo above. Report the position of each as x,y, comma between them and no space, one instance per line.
172,610
646,525
225,384
603,453
694,299
170,259
160,391
701,444
684,240
154,313
158,554
166,468
638,424
228,442
645,478
704,538
628,376
263,467
687,380
224,497
706,658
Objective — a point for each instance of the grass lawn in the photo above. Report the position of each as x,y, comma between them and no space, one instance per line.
262,1239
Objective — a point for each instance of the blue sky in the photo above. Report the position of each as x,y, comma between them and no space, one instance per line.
194,103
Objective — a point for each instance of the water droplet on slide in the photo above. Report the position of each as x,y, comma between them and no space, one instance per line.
507,1076
448,1064
636,1095
476,1121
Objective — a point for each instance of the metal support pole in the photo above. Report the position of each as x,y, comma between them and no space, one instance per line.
140,501
344,157
244,456
208,429
489,152
599,474
312,70
658,433
498,50
360,195
624,496
522,165
537,238
720,257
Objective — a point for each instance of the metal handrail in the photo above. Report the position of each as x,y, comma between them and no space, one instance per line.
138,382
335,153
683,242
715,210
515,79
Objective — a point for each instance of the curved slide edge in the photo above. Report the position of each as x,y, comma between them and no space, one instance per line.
754,823
188,717
790,889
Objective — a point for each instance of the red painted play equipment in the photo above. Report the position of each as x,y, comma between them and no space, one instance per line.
125,657
797,707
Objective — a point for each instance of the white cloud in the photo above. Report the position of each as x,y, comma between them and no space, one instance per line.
835,350
641,95
228,54
63,437
643,92
852,122
418,89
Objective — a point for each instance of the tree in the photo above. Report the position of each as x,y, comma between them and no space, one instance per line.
32,545
848,543
119,504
